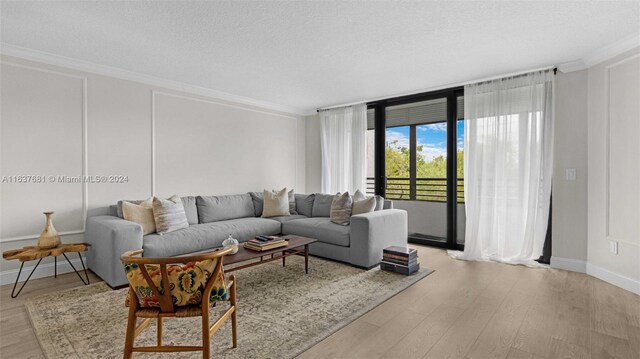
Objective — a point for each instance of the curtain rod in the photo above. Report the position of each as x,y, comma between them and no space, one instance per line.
512,74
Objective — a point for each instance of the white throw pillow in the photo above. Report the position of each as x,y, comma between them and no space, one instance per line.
275,203
140,213
362,204
379,201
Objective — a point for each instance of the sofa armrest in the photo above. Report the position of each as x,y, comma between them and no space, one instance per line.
110,237
374,231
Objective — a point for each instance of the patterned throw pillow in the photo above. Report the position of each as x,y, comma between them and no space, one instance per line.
341,209
169,214
186,283
362,204
140,213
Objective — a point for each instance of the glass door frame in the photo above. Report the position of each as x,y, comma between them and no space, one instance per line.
380,106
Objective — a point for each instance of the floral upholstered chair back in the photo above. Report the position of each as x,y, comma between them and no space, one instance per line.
186,282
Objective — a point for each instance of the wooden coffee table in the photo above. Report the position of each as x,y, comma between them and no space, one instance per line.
298,245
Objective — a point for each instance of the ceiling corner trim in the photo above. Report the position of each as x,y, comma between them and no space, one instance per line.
572,66
85,66
612,50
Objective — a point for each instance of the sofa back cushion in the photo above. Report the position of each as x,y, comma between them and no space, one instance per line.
322,205
190,209
304,203
221,208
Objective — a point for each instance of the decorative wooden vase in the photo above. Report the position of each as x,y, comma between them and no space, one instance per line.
49,238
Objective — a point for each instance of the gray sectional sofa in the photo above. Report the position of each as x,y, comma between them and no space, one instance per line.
212,218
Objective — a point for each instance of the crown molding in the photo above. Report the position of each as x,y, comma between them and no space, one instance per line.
612,50
90,67
572,66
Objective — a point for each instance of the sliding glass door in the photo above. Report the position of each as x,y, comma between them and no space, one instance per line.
411,162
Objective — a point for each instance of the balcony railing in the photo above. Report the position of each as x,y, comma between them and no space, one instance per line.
424,189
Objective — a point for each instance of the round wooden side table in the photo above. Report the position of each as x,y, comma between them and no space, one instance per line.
31,253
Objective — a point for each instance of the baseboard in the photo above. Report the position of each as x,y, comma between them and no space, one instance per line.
44,270
574,265
617,279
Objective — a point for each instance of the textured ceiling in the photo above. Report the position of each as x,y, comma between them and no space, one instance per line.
311,54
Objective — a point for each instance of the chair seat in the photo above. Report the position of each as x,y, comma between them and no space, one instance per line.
180,312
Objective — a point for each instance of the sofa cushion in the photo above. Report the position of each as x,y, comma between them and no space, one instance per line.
320,228
258,203
190,209
322,205
293,217
221,208
304,203
200,237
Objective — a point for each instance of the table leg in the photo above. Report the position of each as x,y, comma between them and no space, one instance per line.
13,294
75,270
306,259
55,266
284,258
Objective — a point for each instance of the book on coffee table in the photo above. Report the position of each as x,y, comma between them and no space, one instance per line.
265,246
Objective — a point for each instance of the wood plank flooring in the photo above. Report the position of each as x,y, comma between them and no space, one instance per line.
471,310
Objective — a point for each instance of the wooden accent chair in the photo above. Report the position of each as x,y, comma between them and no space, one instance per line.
199,281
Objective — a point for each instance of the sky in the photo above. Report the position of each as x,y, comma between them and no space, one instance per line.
433,138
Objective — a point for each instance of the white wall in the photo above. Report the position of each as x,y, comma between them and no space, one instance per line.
614,170
569,218
58,121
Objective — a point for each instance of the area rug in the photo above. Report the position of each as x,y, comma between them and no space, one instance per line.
281,312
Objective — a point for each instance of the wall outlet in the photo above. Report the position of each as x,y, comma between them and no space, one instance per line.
571,174
613,247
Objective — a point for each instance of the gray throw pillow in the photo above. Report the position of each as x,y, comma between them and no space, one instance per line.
304,204
341,209
169,214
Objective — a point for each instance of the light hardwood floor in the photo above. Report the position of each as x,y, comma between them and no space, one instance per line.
463,310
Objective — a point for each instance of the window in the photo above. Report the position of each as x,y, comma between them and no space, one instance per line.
416,151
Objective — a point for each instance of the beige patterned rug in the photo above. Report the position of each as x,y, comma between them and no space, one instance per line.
281,312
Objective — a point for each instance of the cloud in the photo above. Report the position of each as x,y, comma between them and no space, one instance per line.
429,152
403,140
435,127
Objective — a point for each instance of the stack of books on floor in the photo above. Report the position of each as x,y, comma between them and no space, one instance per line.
400,260
265,243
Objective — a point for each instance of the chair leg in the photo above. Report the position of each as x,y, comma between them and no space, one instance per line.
131,333
159,331
206,338
232,299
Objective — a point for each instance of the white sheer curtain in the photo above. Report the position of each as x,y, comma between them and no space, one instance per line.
508,156
343,141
